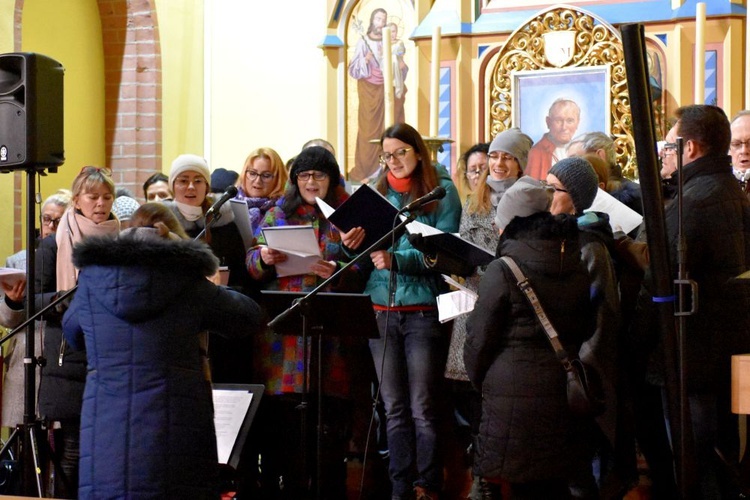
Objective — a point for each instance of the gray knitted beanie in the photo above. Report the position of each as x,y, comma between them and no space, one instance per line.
515,143
525,197
579,179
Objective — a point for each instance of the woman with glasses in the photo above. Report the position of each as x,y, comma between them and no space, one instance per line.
410,354
261,183
469,168
279,359
12,313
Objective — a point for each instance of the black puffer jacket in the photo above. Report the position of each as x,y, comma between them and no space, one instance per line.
527,432
64,374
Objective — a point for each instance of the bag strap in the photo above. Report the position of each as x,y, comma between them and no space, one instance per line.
525,286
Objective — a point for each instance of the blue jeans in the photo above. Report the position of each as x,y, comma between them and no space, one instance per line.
411,377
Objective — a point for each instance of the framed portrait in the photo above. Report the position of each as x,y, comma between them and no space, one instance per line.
534,92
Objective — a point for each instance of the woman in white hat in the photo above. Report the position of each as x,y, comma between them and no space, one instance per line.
189,180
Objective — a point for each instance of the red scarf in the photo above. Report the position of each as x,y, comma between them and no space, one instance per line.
399,185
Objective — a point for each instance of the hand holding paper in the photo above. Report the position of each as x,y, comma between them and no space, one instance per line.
15,291
299,246
10,275
621,216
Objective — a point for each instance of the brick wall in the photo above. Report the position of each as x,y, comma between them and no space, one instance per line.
132,67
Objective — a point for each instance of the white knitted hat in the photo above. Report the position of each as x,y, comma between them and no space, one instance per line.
189,163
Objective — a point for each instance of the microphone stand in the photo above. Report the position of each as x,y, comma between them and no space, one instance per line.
302,306
208,224
31,472
36,316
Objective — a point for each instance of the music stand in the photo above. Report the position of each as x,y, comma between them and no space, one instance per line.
226,413
331,314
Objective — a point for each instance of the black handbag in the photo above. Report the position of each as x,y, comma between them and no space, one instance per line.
584,386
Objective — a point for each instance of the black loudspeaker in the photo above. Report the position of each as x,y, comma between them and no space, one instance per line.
31,112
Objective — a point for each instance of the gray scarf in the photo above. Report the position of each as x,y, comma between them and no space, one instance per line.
498,188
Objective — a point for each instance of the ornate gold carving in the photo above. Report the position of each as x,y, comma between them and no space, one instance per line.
595,44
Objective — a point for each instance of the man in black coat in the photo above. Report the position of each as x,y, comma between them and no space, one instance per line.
716,230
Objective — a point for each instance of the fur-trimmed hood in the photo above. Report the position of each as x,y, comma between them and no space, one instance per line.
143,247
135,277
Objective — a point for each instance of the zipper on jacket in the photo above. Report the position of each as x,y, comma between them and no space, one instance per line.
562,254
62,353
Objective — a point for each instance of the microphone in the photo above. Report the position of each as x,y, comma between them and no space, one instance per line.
436,194
230,193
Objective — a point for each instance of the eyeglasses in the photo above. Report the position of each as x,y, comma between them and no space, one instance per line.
315,174
264,177
398,154
47,220
474,173
185,182
552,187
669,147
739,144
495,156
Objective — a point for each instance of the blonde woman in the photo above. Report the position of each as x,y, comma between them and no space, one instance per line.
64,376
261,183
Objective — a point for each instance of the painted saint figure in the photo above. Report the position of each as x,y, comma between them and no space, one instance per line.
366,68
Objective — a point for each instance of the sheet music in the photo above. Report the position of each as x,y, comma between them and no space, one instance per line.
230,408
298,243
453,304
242,221
621,216
324,207
459,286
416,227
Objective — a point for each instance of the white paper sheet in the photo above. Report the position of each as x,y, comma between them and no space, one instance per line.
242,221
298,243
453,304
10,276
230,408
621,216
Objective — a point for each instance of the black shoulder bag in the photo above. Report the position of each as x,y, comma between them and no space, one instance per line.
584,386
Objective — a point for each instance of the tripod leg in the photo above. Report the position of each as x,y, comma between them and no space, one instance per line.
34,451
9,442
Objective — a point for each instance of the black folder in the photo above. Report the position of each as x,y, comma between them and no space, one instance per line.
370,210
459,248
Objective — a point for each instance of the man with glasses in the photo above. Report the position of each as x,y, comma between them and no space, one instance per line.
739,149
715,217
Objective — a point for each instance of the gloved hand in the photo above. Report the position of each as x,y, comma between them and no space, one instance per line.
440,261
420,243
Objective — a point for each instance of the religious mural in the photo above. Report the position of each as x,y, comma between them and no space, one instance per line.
365,85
